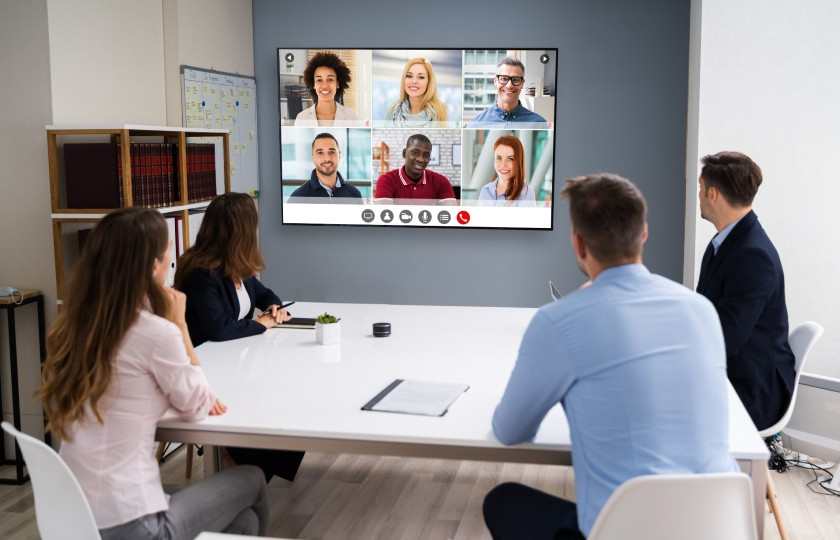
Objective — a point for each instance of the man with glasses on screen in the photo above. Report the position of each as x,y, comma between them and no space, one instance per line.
509,81
326,185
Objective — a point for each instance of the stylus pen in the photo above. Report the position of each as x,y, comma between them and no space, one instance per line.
282,306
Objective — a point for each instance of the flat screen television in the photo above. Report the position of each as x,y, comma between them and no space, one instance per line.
447,138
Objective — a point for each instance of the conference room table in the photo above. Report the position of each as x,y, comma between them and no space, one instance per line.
285,391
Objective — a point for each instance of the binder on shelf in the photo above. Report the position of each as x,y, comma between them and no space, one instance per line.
83,236
195,219
136,192
172,223
175,171
120,175
92,175
179,227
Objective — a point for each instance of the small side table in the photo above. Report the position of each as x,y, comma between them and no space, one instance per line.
8,304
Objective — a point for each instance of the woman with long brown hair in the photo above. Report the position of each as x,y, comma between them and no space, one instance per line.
509,187
118,356
218,275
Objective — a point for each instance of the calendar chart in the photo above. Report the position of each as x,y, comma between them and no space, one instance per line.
214,99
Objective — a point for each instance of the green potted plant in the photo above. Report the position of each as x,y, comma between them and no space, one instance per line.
327,329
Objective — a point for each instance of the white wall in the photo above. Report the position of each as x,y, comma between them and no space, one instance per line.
210,34
767,83
85,62
106,59
26,260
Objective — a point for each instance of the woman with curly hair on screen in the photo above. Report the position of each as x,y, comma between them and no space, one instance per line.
419,104
326,77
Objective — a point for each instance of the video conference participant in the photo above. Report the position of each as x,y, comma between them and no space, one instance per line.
412,183
118,357
418,104
509,187
218,275
326,77
636,360
509,81
326,184
742,275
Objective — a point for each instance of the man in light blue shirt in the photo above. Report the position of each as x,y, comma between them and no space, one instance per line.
508,110
637,362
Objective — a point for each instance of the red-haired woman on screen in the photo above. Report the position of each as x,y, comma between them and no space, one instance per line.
509,187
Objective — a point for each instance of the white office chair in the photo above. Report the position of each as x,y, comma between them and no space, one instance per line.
61,509
801,339
684,506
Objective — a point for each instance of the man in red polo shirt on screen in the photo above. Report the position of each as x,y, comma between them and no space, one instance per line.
412,183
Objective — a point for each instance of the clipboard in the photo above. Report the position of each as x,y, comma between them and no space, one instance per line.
424,398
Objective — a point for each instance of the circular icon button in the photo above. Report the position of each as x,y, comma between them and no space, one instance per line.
463,217
544,59
406,216
424,216
291,58
386,216
444,217
368,215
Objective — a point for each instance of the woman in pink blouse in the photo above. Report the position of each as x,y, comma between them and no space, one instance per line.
118,356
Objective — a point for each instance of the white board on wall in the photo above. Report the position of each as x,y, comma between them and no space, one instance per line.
214,99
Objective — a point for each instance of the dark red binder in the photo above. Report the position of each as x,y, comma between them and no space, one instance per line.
92,176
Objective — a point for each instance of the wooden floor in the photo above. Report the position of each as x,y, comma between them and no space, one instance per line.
365,497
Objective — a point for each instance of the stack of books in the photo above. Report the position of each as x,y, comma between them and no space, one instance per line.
94,175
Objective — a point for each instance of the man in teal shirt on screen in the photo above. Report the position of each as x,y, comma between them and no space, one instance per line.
636,360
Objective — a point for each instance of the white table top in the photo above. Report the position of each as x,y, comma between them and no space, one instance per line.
282,384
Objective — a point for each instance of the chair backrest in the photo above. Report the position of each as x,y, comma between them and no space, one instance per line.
801,339
61,508
684,506
555,294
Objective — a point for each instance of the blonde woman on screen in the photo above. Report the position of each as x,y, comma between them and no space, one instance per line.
418,105
118,357
509,187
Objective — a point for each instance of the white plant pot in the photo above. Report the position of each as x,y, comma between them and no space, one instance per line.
328,334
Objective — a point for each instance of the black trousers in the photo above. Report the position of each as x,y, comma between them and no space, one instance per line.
513,511
282,463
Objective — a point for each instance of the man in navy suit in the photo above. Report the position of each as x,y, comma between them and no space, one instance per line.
742,276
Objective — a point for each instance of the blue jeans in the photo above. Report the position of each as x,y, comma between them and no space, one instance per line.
232,501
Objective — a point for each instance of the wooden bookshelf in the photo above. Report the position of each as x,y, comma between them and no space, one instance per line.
64,219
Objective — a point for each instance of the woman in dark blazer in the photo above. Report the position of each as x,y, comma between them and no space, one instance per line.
218,276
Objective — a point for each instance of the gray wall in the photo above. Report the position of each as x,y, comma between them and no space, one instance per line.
621,92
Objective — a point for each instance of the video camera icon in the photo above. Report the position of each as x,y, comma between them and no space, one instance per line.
406,216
